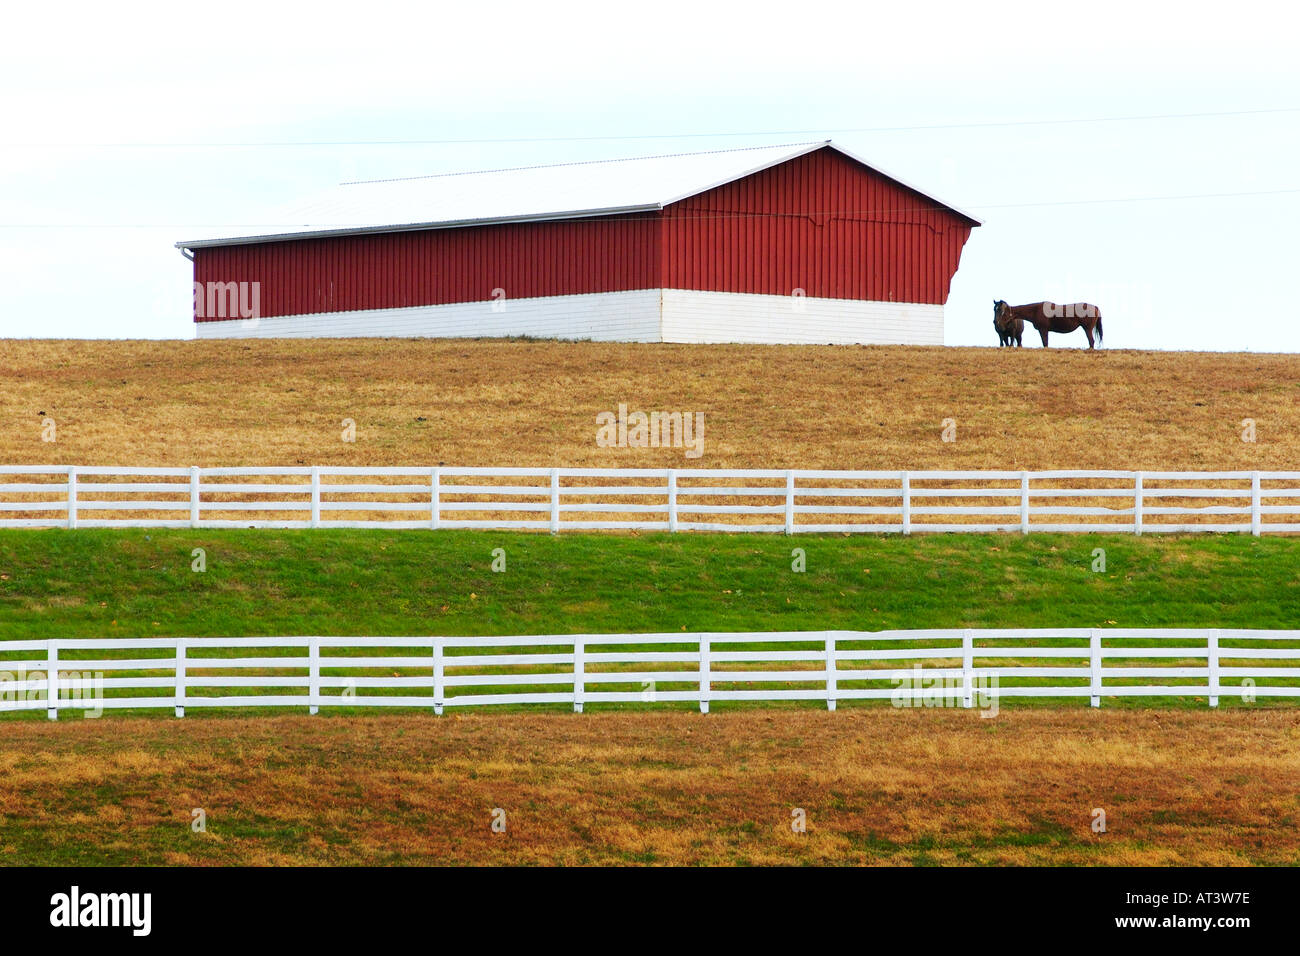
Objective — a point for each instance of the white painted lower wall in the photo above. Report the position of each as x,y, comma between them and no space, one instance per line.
644,315
773,319
603,316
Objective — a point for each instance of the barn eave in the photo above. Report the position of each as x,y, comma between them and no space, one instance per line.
190,245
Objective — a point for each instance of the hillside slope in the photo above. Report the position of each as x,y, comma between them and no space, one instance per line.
493,402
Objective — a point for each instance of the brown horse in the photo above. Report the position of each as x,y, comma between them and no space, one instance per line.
1008,327
1050,317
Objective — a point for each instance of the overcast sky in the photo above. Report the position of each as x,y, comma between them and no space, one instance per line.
128,127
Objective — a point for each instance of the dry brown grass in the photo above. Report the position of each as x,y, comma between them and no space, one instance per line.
878,786
534,403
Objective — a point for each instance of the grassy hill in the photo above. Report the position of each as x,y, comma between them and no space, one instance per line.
139,582
494,402
1180,784
881,786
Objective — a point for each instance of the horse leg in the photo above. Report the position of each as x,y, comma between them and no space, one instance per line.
1087,330
1043,333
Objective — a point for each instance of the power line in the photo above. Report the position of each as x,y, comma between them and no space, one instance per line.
649,136
1088,202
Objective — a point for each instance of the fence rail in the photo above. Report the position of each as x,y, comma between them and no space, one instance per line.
964,668
559,499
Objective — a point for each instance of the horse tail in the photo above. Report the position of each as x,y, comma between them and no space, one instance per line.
1099,326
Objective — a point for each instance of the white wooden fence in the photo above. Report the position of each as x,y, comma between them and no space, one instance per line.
557,499
911,668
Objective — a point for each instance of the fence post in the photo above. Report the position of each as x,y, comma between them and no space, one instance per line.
438,689
1212,664
180,677
789,503
194,496
435,498
72,496
313,675
555,500
1137,502
831,686
704,675
1024,504
579,675
52,680
672,499
315,496
907,504
1254,504
967,669
1094,648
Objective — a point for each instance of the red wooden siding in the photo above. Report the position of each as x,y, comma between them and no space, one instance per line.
439,266
822,223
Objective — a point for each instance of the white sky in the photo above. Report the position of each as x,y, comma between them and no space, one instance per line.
87,223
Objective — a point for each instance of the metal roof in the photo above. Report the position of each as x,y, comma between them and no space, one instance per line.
531,193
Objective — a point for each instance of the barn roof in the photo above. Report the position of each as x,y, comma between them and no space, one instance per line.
532,193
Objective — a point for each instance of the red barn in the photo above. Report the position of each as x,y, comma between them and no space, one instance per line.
800,244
